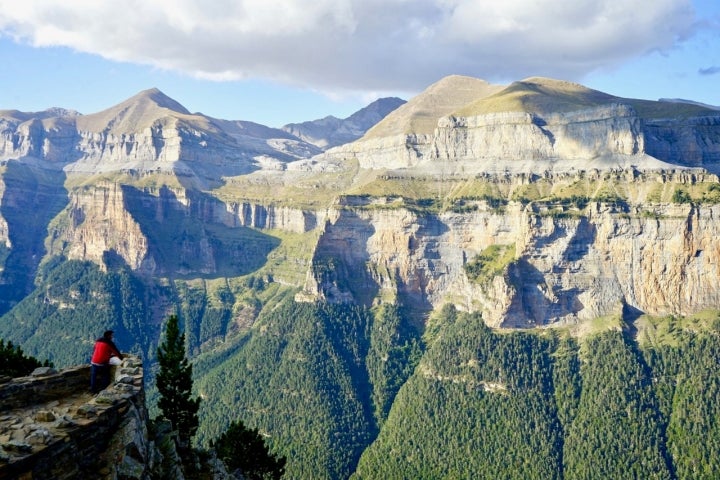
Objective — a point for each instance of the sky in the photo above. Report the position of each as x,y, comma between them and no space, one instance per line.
276,62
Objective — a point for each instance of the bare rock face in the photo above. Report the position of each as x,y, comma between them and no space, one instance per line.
395,152
564,270
99,222
32,135
604,137
134,226
695,140
585,134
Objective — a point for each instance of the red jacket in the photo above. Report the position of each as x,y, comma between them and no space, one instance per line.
104,349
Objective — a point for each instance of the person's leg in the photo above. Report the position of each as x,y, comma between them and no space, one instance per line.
105,375
94,384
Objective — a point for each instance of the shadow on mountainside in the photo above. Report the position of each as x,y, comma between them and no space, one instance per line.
32,197
341,259
187,237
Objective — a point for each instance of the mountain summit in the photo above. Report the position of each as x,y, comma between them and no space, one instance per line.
138,113
331,131
467,125
422,112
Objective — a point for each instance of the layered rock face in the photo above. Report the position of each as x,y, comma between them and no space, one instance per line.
51,139
99,222
135,225
147,133
603,137
511,137
565,268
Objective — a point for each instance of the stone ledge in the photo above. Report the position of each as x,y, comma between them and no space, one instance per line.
63,431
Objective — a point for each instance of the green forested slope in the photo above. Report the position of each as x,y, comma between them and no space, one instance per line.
483,404
344,391
301,379
74,304
480,405
617,431
688,385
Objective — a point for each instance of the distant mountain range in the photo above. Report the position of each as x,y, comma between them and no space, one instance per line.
480,127
330,131
338,281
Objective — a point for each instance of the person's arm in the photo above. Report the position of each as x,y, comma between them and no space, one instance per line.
116,351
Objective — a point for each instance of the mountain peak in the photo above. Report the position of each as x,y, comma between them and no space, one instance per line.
135,114
421,113
331,131
539,95
156,97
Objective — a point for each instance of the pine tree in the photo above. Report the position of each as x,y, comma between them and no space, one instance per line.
174,382
14,362
244,449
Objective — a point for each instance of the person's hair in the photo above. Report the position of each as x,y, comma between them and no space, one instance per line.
108,334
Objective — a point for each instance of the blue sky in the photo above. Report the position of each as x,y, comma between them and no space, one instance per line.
277,62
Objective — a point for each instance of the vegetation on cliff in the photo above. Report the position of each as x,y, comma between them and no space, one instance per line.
14,362
490,263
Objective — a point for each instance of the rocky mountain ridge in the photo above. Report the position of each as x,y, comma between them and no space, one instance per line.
489,144
539,125
338,277
151,132
331,131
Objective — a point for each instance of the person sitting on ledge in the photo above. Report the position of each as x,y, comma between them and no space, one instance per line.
103,356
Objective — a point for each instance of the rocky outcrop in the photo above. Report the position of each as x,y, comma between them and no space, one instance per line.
98,222
51,427
568,266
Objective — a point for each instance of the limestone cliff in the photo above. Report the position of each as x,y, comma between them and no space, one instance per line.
567,264
135,225
605,137
539,125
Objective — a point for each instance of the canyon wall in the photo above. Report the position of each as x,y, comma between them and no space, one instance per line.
566,267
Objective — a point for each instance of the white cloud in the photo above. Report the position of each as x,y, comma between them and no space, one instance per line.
364,45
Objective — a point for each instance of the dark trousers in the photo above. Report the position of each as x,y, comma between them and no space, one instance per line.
99,377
